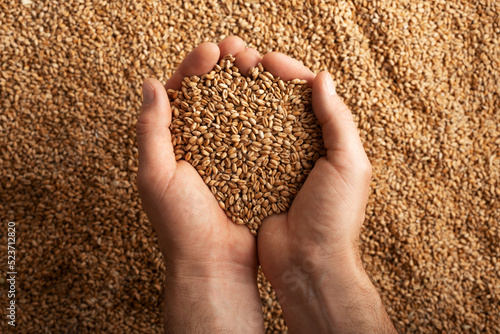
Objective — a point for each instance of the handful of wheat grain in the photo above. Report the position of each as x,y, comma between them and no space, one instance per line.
252,139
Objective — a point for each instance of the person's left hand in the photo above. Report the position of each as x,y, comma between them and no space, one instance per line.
211,262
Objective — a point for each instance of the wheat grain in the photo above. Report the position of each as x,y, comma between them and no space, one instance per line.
252,145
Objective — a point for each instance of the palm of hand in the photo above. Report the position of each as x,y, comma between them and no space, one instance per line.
190,225
325,218
317,226
202,231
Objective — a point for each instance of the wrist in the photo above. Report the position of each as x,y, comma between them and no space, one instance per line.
208,271
309,277
200,299
314,262
331,296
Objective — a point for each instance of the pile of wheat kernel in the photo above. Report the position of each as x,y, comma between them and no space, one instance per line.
253,139
420,77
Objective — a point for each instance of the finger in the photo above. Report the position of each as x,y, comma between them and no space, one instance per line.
153,135
286,68
252,51
199,61
231,45
246,60
340,133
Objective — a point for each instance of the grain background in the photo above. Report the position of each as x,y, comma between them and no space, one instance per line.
421,78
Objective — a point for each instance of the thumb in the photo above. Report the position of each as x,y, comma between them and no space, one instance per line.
340,134
156,153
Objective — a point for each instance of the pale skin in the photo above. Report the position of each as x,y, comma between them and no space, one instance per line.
309,254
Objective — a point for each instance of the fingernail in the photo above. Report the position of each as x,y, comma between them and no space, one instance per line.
330,87
148,93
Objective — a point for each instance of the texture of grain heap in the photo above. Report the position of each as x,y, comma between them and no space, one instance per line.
421,78
252,139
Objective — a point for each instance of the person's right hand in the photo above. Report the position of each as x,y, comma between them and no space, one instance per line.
310,253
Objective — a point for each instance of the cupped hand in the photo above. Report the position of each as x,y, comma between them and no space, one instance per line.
199,243
310,253
324,219
191,226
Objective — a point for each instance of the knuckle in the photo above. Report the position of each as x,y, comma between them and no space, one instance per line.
365,169
143,125
345,113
